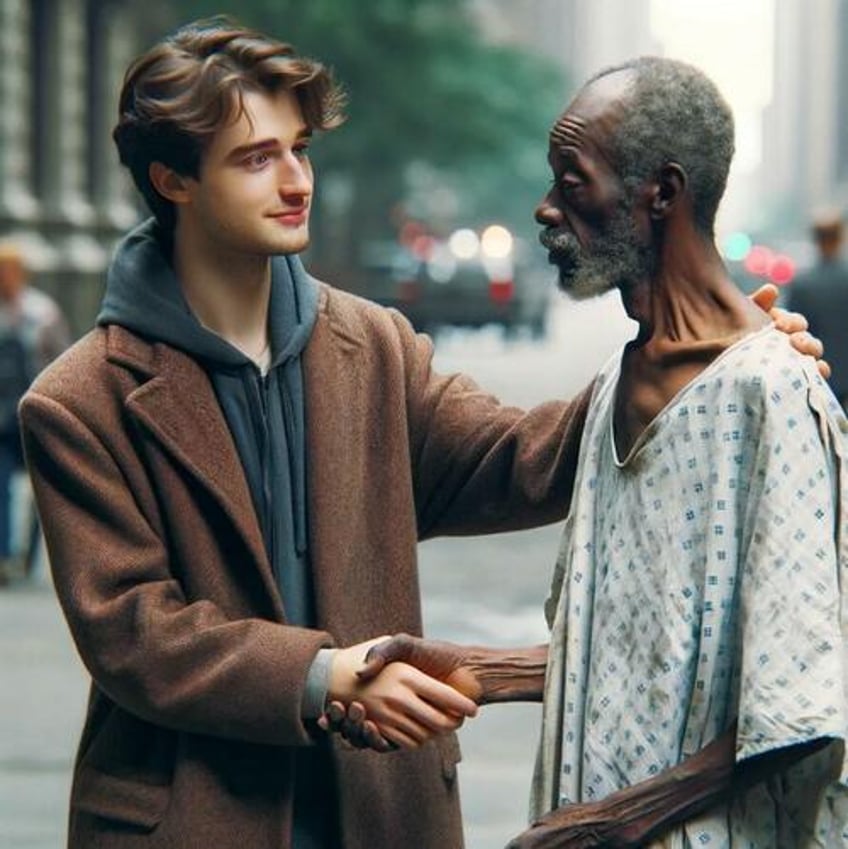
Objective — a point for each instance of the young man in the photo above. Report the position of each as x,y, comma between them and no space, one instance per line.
695,686
212,466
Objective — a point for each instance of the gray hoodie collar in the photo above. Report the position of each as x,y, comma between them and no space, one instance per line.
144,295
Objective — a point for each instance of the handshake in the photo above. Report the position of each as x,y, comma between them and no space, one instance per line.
401,691
398,692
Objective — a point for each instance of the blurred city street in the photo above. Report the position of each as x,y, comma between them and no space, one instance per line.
482,590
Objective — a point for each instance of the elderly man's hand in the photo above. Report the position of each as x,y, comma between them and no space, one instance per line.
446,662
351,722
792,323
407,706
485,675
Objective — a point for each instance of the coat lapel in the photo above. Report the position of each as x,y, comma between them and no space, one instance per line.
335,421
179,408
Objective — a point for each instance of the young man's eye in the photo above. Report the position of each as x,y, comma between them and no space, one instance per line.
257,160
301,150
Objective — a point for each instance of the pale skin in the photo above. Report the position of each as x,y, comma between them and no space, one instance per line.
250,201
687,310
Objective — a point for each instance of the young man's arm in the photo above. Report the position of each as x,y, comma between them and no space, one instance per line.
481,467
187,664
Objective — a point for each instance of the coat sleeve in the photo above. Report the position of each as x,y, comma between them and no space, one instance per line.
479,466
185,666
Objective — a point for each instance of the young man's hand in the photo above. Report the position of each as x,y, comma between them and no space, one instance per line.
792,323
407,706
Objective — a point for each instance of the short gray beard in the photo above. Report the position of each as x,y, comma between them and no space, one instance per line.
616,259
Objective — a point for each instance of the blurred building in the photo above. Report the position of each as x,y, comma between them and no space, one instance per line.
803,133
806,127
582,36
62,191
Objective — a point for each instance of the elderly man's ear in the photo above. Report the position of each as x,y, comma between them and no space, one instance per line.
667,190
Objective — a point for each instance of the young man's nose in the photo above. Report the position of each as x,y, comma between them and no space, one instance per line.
294,176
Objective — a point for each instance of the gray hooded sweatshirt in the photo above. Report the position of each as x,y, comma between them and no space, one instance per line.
265,413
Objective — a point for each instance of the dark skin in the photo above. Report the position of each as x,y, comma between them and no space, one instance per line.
624,820
688,311
687,308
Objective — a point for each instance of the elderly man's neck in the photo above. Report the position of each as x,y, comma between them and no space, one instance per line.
690,300
689,312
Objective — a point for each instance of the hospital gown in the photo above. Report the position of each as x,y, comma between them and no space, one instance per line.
700,581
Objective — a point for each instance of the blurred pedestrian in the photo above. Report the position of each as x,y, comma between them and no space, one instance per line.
32,332
821,293
233,471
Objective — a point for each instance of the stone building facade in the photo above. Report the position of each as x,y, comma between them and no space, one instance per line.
63,194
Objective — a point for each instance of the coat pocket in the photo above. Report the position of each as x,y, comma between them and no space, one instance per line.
120,799
451,755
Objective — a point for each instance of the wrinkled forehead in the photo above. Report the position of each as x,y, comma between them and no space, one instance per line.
594,114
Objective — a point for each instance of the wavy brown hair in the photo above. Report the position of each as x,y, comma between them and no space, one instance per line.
178,94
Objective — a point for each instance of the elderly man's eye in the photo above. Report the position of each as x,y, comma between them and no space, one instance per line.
570,182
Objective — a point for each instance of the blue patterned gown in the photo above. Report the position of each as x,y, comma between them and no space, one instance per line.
701,580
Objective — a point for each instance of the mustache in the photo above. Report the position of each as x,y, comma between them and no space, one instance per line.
558,238
560,242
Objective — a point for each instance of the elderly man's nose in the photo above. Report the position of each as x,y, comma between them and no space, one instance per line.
547,214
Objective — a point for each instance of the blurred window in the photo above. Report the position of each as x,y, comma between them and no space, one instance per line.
42,32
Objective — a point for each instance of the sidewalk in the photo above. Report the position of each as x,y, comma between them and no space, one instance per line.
42,703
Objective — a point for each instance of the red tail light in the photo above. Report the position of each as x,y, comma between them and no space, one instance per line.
501,291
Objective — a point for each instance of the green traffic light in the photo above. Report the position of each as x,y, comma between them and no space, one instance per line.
737,246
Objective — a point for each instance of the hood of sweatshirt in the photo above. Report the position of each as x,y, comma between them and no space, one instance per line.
144,295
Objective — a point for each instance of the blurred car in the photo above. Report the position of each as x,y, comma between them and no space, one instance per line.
468,280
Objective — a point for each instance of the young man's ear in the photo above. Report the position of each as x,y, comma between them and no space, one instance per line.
171,185
669,188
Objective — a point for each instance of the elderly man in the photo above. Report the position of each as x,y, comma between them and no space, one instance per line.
695,684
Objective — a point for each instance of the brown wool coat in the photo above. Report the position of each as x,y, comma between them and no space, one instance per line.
159,566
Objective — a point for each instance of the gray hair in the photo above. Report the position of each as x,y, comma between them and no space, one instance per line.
675,113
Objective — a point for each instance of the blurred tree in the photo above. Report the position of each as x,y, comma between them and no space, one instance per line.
423,87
